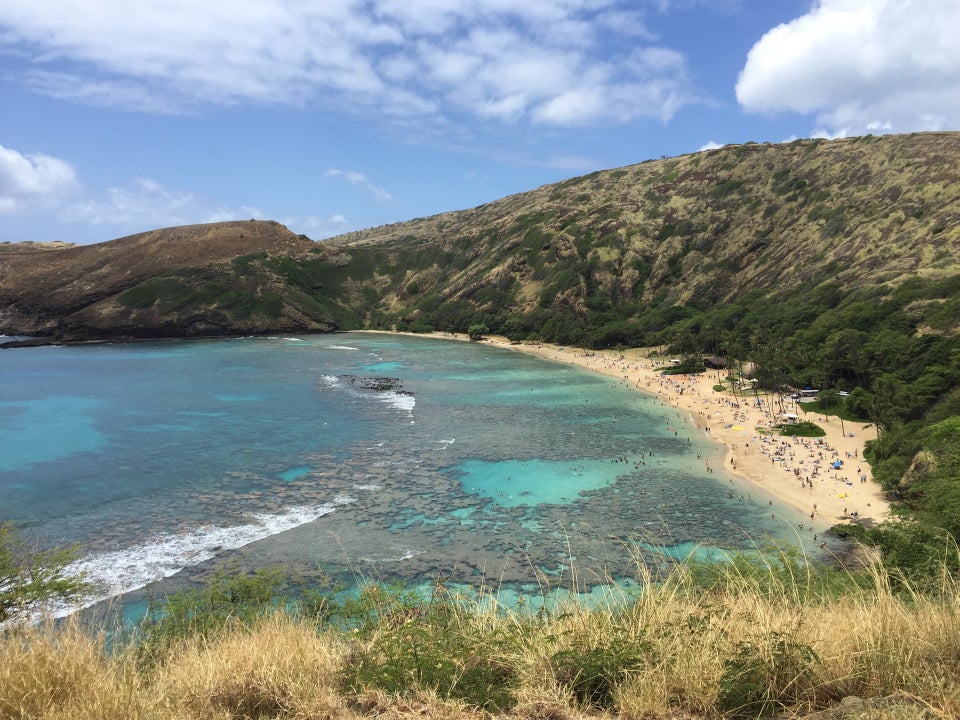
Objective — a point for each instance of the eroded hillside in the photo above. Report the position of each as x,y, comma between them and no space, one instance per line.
693,230
611,257
184,281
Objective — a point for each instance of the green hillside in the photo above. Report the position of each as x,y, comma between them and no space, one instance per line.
614,255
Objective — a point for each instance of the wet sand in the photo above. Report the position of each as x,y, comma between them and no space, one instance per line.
798,471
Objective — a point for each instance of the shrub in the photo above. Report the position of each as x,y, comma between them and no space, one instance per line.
476,332
411,643
229,600
691,365
802,429
162,289
418,326
724,188
759,676
593,674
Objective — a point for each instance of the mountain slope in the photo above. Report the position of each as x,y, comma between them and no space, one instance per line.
697,229
614,256
74,292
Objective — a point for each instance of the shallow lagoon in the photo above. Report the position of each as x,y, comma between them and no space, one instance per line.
483,465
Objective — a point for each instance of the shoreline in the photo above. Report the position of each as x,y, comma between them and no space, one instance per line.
797,471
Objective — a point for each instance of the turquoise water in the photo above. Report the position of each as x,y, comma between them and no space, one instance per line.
510,483
168,461
45,429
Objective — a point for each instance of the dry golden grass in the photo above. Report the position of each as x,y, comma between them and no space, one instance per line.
65,673
283,668
675,651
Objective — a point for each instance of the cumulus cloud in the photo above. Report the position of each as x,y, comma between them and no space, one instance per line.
861,66
359,180
320,228
31,182
560,62
711,145
35,183
149,204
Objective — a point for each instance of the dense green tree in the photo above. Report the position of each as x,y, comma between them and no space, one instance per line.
476,332
932,489
859,402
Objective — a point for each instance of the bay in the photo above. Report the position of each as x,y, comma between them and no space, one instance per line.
358,456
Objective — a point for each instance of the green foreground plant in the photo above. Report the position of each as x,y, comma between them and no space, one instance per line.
31,578
230,600
437,644
747,638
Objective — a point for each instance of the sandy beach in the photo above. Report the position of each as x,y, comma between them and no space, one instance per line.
798,471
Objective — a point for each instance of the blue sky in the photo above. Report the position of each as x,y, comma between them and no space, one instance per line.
118,116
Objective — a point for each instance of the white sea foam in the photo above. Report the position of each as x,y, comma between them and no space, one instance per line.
120,571
359,486
406,554
340,347
401,401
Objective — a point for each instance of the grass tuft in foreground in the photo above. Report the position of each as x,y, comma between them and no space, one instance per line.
743,639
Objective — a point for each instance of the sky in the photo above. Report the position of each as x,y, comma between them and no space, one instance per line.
120,116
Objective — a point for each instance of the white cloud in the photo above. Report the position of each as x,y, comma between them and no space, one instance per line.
861,66
244,212
359,180
104,92
628,22
479,58
825,134
711,145
572,107
319,228
149,204
32,182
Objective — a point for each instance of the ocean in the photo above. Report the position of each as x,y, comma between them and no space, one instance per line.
357,456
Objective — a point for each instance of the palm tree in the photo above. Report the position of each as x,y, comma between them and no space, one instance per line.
735,351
